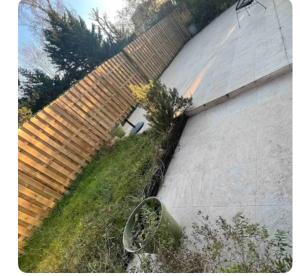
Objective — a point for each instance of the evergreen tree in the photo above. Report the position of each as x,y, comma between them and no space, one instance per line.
204,11
72,47
74,50
38,89
117,36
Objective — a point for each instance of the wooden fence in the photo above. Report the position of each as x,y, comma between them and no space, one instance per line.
62,138
156,48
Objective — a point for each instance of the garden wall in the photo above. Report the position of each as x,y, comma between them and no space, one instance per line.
62,138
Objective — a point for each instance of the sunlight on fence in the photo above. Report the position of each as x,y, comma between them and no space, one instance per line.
62,138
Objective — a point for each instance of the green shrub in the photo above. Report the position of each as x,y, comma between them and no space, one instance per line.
204,11
118,132
220,246
162,105
145,223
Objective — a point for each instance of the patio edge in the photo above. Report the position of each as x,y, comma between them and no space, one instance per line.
258,82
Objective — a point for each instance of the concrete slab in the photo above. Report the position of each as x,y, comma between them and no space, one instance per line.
236,157
224,57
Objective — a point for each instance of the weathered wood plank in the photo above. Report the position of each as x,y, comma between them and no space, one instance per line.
39,176
47,149
71,123
38,187
48,162
46,138
67,130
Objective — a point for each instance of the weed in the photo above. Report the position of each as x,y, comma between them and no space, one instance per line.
240,246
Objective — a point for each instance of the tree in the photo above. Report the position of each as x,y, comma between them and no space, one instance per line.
162,105
38,89
74,51
72,47
33,56
117,35
204,11
141,15
34,14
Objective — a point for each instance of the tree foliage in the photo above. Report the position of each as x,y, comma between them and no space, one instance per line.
72,47
117,36
140,15
74,51
34,14
204,11
38,89
162,104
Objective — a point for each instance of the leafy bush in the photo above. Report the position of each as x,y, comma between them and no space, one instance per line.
147,13
146,222
140,92
163,105
24,115
118,131
239,246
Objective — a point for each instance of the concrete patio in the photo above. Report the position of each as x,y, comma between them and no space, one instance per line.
223,57
236,155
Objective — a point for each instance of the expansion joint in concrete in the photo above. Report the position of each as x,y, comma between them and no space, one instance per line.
258,82
280,30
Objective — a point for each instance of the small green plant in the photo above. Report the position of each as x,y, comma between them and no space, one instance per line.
163,105
24,115
220,246
148,226
146,222
118,131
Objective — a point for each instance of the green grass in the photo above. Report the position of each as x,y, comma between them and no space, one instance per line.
84,232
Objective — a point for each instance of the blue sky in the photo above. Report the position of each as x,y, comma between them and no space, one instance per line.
82,8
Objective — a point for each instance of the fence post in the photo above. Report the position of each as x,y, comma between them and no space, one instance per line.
135,65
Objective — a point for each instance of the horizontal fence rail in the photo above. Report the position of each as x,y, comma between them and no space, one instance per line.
55,144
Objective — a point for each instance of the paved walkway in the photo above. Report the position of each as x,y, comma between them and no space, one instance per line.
235,156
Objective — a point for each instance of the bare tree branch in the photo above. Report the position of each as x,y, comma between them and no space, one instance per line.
33,56
107,27
34,14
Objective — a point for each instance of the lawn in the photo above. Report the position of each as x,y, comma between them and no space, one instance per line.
84,232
